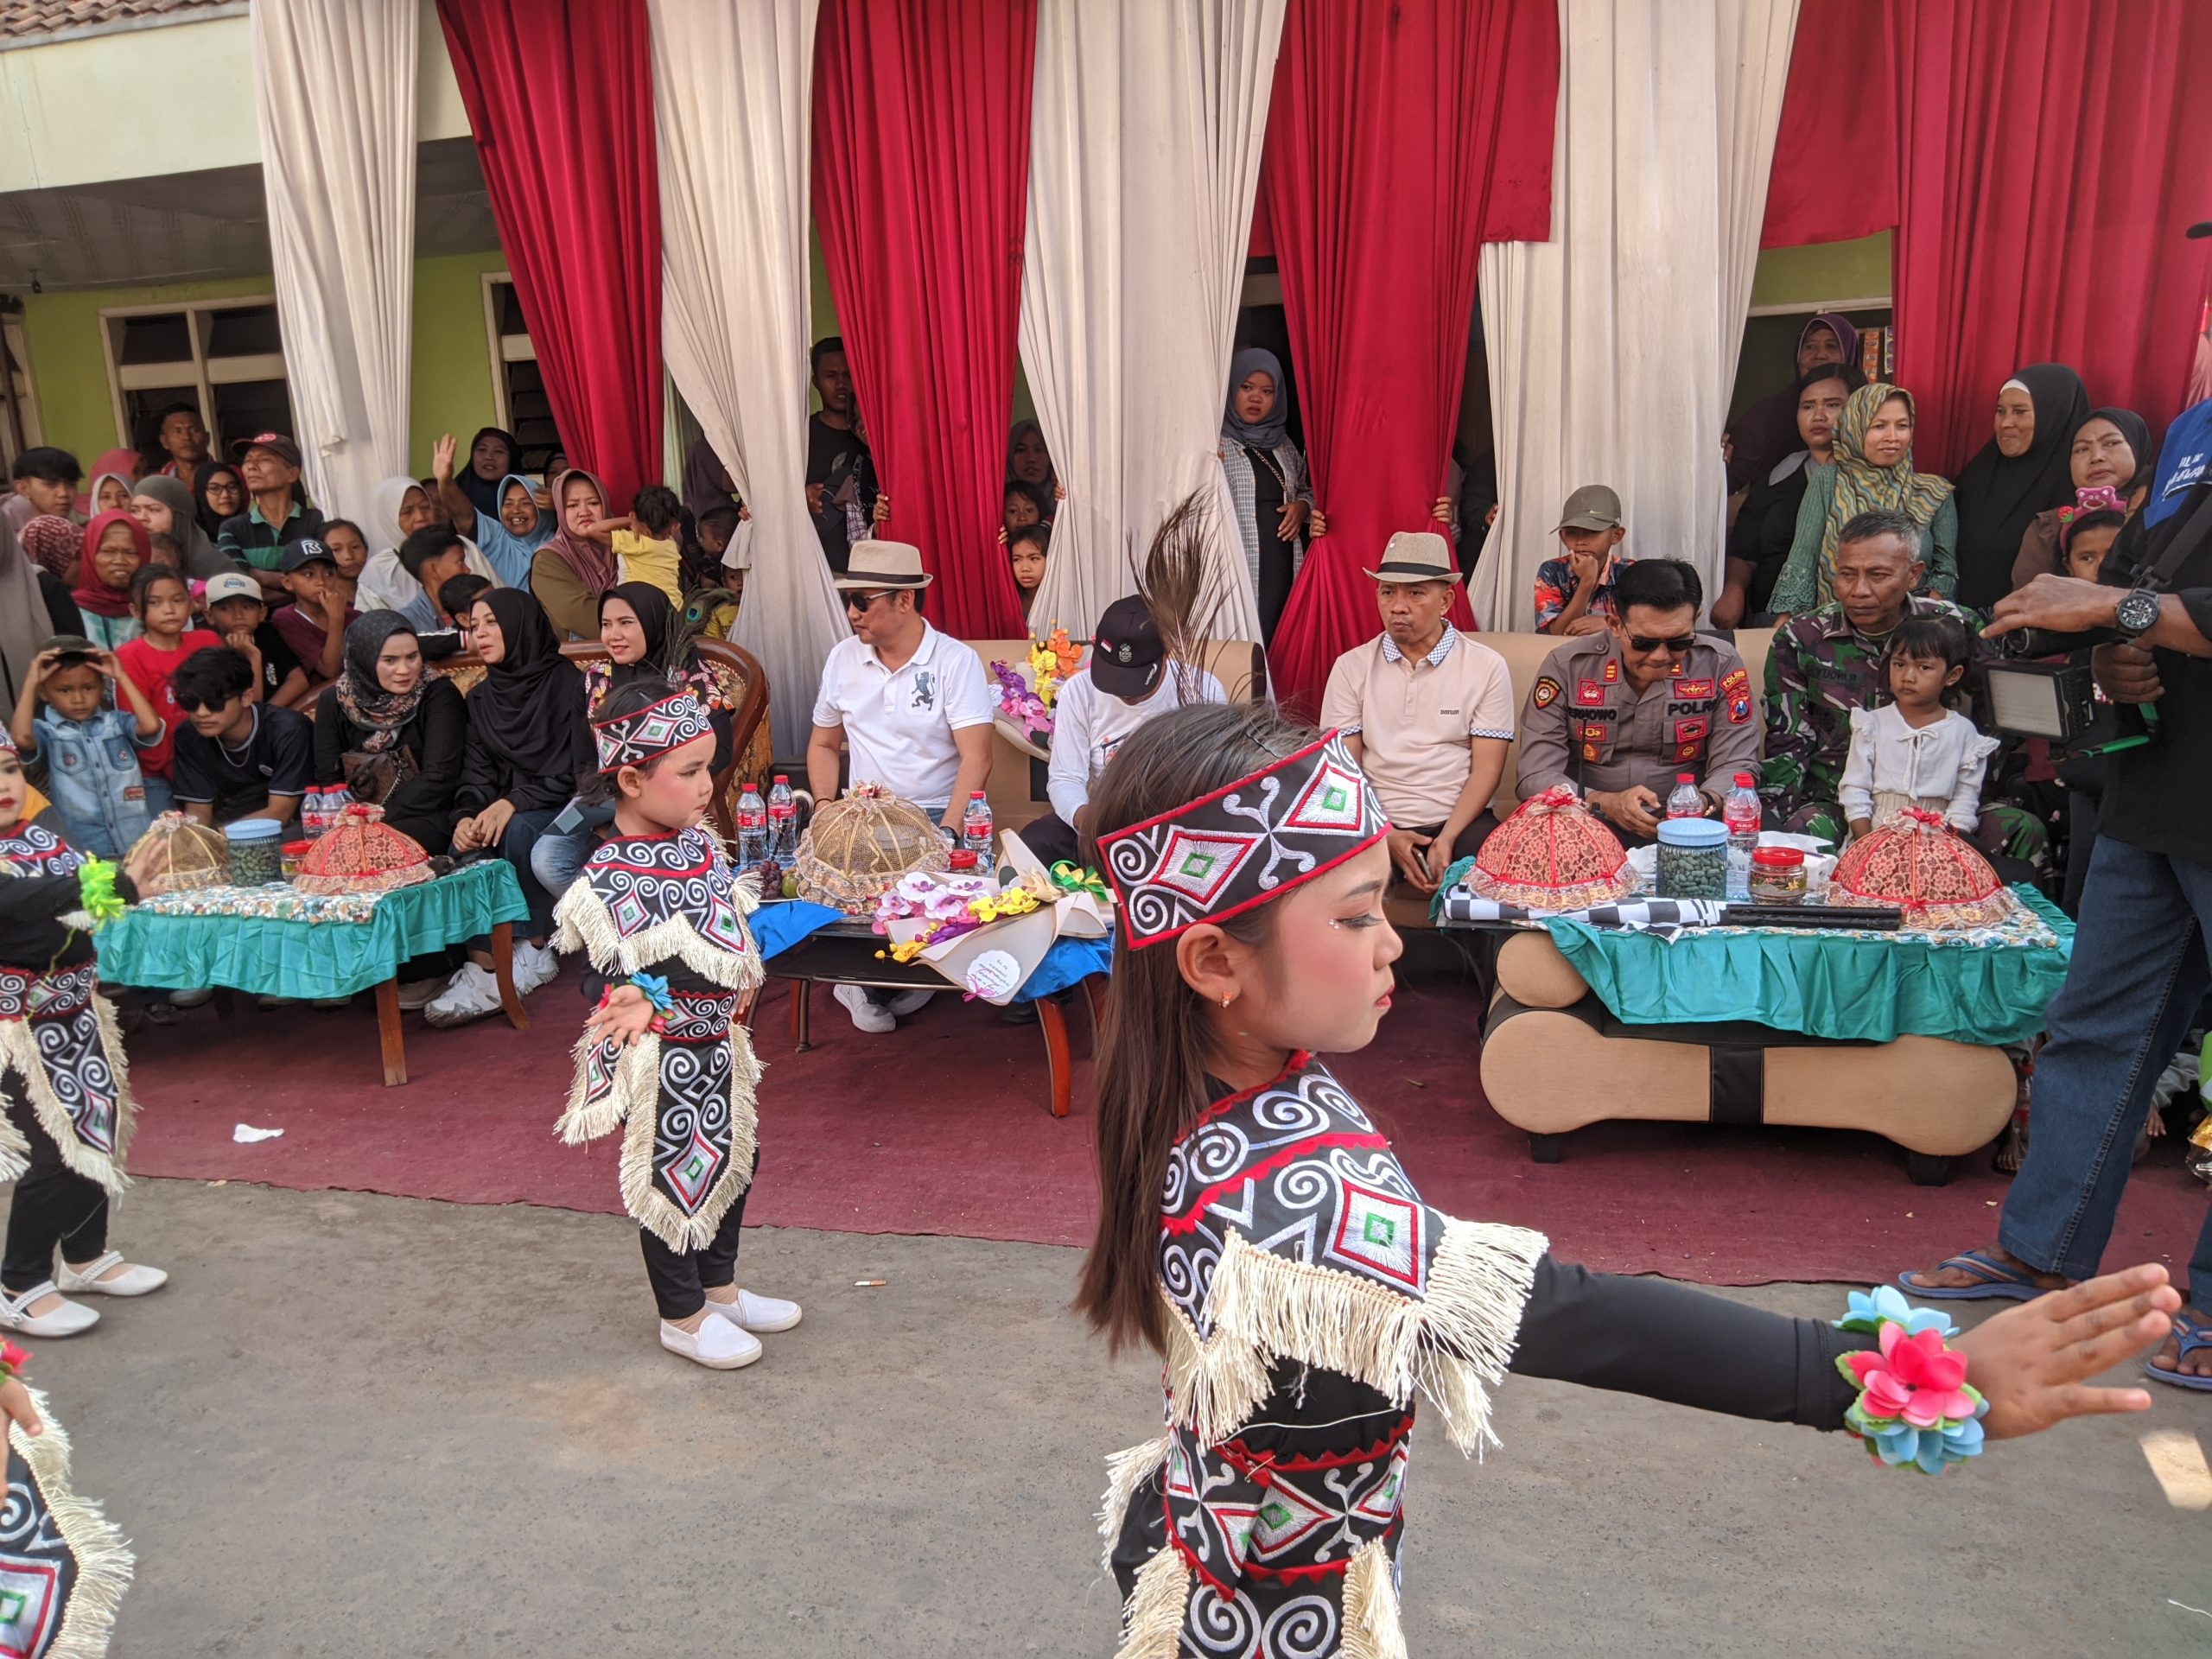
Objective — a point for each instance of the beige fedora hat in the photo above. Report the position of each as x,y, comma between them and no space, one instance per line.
884,564
1416,555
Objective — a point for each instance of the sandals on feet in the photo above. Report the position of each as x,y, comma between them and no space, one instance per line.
1996,1280
2194,1334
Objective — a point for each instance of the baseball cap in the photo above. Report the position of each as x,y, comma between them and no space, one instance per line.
1126,654
275,443
305,551
231,584
1594,506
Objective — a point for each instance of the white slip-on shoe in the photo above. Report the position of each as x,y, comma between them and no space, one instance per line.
911,1002
867,1015
471,994
535,966
752,1312
134,1280
71,1317
717,1343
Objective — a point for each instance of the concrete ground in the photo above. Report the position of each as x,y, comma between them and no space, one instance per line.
365,1426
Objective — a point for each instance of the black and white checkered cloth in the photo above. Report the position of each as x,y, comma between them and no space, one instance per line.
1666,916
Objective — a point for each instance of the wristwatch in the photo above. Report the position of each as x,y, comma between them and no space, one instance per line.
2137,614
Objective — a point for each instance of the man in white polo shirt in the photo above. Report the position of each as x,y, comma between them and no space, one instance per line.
1425,710
911,705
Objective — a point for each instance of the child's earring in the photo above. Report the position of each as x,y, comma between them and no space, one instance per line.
1227,998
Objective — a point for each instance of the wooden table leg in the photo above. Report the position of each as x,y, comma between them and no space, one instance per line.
1054,1024
503,969
800,1015
390,1033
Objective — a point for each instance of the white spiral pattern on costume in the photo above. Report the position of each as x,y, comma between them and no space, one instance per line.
694,1100
1303,1628
76,1066
1151,909
1219,1623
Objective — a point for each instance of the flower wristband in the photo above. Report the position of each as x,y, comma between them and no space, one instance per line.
12,1360
1915,1404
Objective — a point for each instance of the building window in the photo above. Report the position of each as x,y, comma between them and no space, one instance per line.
518,389
19,425
224,358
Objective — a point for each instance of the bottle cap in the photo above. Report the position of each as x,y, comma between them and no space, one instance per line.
1744,778
975,795
1685,778
783,777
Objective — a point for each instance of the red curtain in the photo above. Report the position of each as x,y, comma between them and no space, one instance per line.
921,184
2039,162
560,98
1400,137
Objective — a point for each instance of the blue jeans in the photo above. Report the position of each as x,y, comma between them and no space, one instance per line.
522,833
2138,974
559,859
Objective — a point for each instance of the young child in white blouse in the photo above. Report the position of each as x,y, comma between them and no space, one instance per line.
1915,750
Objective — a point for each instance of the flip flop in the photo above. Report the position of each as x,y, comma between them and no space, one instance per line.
1999,1281
2194,1334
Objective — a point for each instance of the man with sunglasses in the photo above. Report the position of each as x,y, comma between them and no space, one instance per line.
1617,716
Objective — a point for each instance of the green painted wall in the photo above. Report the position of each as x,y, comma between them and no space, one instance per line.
453,356
1823,270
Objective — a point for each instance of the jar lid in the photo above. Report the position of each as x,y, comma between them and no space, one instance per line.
1691,832
253,830
962,859
1778,858
297,848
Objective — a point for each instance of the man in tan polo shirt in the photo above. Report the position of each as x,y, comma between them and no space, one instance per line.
1426,711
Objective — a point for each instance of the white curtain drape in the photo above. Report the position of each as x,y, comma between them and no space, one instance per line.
334,94
1145,139
733,98
1613,346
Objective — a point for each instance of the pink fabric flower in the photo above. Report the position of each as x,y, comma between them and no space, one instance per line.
1913,1377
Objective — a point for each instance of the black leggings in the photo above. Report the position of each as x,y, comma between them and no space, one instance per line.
680,1279
54,1205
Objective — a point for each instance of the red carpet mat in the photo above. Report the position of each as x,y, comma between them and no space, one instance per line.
943,1128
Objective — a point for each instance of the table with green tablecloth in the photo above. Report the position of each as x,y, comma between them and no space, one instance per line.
270,956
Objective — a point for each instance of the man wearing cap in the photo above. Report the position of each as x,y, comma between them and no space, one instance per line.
1617,716
1574,594
313,625
236,611
1128,681
1426,710
276,510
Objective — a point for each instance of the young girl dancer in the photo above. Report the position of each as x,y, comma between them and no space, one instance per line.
62,1080
661,915
1916,751
1256,1230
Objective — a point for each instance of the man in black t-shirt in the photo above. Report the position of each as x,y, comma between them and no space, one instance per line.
235,758
841,491
2139,971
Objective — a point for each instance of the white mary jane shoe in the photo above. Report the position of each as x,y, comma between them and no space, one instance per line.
717,1343
69,1319
751,1313
136,1282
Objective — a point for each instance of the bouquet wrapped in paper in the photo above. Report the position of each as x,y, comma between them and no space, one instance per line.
985,937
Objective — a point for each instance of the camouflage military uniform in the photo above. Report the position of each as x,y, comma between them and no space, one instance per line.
1820,670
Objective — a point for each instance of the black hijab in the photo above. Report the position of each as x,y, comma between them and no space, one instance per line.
1997,494
2137,431
528,708
484,492
656,617
210,520
367,705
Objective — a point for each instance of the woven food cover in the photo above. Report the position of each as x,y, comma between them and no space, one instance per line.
859,845
1912,860
362,854
184,855
1552,854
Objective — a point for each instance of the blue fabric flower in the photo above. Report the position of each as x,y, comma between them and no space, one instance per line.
656,990
1887,1303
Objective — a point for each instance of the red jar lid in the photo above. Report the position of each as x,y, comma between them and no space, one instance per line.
964,860
1777,858
299,848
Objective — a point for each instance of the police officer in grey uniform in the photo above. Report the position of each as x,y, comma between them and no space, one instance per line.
1617,715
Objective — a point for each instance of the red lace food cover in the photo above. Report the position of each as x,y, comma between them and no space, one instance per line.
362,854
1912,860
1552,854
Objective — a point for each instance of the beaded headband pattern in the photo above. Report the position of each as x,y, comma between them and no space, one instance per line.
633,740
1242,845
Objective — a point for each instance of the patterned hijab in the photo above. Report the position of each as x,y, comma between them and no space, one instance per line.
370,708
54,543
1861,486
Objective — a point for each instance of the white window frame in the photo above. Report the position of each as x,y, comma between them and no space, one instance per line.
503,348
201,371
1811,307
24,393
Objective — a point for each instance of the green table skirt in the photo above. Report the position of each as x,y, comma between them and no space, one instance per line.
306,959
1825,985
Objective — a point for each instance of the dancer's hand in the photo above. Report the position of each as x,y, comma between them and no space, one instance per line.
15,1405
626,1015
2031,1361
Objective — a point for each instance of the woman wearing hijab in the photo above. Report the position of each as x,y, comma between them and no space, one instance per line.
1766,525
54,544
508,535
391,732
2021,470
165,507
571,570
493,453
1029,461
114,547
526,748
35,605
1872,469
397,508
1267,480
218,492
2111,450
115,474
1764,435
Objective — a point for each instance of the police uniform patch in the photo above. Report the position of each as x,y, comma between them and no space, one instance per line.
1589,751
1692,689
1546,693
1735,680
1739,710
1588,694
1612,671
1688,731
1593,732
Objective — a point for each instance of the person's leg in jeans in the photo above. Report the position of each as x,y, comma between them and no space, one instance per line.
54,1205
516,846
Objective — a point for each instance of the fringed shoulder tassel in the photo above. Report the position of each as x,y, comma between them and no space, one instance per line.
1371,1605
1152,1621
1214,1385
583,921
1478,1285
1125,1472
597,1105
103,1561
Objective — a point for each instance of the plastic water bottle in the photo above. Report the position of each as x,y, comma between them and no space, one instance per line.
783,821
976,827
751,829
1741,814
1683,801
